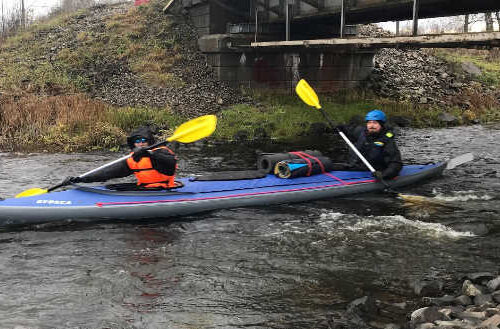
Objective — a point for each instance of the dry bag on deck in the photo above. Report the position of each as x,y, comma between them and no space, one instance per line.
303,167
267,161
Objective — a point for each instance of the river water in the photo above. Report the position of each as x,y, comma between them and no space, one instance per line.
281,266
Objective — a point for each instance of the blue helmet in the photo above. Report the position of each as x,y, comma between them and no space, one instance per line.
376,115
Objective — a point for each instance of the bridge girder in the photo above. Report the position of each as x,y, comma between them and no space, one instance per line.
372,11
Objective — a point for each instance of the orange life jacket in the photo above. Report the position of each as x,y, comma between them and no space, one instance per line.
147,176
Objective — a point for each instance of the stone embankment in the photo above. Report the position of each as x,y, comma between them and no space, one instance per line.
416,76
473,304
114,82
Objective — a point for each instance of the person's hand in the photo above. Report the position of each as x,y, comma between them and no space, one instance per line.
140,153
378,175
341,128
70,180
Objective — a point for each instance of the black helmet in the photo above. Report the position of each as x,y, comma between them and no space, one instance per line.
144,132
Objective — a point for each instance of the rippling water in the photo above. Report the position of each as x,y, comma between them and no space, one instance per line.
284,266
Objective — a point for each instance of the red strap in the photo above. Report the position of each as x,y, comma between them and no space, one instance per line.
315,159
304,156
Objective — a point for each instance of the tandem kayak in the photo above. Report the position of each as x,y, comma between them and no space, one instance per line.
197,195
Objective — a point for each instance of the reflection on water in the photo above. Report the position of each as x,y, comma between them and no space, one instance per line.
281,266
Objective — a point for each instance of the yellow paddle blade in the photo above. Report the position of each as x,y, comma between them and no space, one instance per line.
195,129
307,94
31,192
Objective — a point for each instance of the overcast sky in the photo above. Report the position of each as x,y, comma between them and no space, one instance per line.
39,7
426,25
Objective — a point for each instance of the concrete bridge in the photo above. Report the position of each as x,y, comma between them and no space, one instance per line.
271,44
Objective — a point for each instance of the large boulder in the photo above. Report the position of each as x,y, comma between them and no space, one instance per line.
447,119
472,69
426,287
426,315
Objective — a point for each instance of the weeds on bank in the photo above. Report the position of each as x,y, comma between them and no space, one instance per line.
487,60
72,123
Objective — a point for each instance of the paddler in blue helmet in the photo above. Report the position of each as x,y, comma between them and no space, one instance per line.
377,144
153,168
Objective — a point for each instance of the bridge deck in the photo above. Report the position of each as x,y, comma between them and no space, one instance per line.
460,40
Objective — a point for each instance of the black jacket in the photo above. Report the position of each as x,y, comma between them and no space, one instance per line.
380,151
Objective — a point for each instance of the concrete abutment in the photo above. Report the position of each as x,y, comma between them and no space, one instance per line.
279,69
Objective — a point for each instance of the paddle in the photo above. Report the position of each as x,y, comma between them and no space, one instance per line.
309,96
188,132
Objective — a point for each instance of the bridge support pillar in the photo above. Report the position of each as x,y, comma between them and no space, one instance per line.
278,69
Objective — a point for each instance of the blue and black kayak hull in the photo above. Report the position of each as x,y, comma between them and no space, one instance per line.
98,202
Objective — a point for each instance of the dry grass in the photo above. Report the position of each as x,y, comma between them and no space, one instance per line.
32,110
54,123
72,123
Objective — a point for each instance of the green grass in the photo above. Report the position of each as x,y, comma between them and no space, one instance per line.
285,117
129,118
487,61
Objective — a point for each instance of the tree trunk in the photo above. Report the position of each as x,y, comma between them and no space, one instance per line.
488,18
466,24
497,14
3,22
23,16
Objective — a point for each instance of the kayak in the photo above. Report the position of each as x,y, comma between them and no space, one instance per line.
196,195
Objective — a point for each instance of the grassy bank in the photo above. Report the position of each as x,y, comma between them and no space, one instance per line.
487,60
285,117
78,123
66,53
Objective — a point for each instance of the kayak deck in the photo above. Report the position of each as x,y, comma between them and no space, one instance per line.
199,195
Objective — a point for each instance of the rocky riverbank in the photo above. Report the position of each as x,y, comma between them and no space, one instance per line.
471,303
125,56
419,77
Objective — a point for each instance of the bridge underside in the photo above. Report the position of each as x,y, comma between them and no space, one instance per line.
315,19
374,11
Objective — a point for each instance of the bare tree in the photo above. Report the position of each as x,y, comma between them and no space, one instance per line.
3,20
23,15
456,23
488,18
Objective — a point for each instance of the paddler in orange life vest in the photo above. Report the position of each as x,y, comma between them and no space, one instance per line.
153,168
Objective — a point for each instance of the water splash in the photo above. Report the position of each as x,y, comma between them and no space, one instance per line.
462,196
397,223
